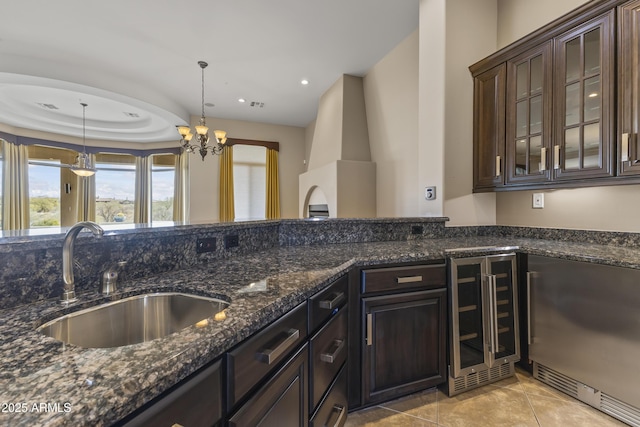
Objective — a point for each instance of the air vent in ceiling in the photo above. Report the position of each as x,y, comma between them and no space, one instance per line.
132,115
256,104
48,106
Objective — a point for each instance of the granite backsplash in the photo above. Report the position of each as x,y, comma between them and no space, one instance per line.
31,266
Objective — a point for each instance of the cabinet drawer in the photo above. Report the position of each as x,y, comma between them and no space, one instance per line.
333,409
323,304
328,349
196,402
402,278
259,355
282,401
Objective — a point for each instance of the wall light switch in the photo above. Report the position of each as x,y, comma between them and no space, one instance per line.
538,200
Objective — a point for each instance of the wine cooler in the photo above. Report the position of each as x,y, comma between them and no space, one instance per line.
484,338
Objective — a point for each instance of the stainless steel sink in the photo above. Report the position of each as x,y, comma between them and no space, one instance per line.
132,320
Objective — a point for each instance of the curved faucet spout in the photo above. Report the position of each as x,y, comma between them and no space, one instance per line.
69,293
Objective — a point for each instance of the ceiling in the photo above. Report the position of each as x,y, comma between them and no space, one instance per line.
136,63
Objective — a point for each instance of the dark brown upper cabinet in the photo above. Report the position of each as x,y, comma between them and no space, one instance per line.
528,115
583,105
628,88
560,107
488,128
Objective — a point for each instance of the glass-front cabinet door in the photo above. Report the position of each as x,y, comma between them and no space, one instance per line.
583,100
528,109
484,313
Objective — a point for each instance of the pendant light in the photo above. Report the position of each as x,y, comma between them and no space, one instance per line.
202,132
83,166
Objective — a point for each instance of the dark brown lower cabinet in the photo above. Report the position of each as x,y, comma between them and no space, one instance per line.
404,349
332,411
282,401
195,402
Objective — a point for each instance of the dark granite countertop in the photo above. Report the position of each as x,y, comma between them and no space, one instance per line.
100,386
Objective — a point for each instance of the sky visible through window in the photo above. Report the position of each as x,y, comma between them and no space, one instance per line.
45,182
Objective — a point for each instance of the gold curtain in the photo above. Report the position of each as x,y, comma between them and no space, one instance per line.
142,203
86,195
273,186
180,187
227,211
15,190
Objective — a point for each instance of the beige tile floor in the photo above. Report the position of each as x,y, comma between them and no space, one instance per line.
516,401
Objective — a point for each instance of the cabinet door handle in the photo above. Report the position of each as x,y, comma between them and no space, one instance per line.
338,412
556,157
529,307
409,279
624,151
268,355
498,166
337,347
494,310
369,329
331,304
543,159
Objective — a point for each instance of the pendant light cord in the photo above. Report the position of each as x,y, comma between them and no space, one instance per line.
84,142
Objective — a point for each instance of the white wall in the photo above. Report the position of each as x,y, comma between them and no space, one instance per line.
431,104
517,18
391,99
204,175
470,35
613,208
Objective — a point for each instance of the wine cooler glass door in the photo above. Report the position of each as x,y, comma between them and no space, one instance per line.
505,333
469,350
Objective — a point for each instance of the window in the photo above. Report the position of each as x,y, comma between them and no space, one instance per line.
249,181
163,172
115,188
48,205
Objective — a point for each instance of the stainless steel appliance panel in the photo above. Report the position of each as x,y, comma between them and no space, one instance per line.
585,323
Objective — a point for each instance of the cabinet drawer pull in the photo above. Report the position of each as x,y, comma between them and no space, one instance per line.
624,151
409,279
337,347
369,329
556,157
268,356
341,412
498,166
331,304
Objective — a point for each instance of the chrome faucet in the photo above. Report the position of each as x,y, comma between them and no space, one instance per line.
69,293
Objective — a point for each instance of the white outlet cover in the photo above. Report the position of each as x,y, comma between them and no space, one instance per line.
538,200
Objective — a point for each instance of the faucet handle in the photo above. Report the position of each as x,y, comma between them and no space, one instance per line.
109,282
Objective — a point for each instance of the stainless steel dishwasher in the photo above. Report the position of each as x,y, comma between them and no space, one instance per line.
584,332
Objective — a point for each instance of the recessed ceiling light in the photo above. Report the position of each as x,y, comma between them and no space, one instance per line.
241,100
304,82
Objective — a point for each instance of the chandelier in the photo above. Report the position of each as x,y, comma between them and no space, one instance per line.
202,132
82,165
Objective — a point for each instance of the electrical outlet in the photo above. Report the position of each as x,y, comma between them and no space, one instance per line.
430,193
538,200
205,245
231,241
